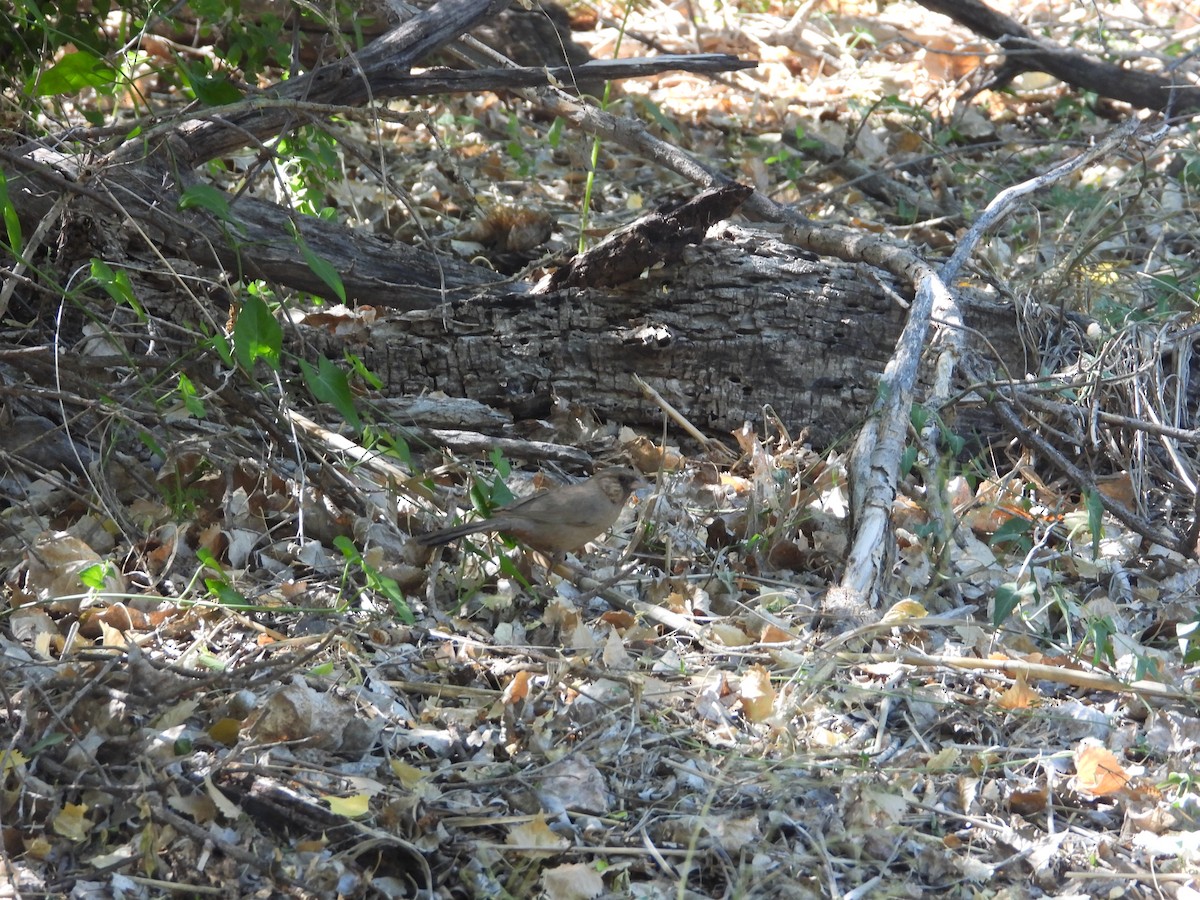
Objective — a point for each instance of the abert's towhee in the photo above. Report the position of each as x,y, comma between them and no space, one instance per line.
558,520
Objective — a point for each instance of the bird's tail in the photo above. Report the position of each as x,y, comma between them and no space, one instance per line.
446,535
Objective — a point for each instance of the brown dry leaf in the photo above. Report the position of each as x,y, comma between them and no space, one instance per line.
1019,696
562,614
788,555
948,59
225,731
877,808
995,503
535,838
38,848
1118,487
223,804
197,807
72,822
903,611
619,619
53,568
516,690
573,782
350,807
290,589
728,635
614,654
944,760
772,634
1098,773
212,539
573,881
650,458
408,776
127,618
907,514
1029,802
735,835
757,694
321,718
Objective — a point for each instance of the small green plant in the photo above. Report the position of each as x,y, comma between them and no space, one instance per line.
182,496
309,160
97,577
376,581
218,584
1189,636
329,384
185,395
1099,634
1014,535
515,148
1009,596
1181,784
256,334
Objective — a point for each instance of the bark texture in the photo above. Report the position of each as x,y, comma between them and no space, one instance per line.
738,321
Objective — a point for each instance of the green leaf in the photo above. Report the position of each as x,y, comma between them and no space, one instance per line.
12,224
117,285
401,608
397,447
918,415
257,335
74,72
225,593
50,740
554,135
221,344
151,443
1012,529
1095,510
95,576
499,463
214,91
390,588
376,580
1008,597
509,569
360,369
346,547
191,400
321,267
205,196
206,557
328,384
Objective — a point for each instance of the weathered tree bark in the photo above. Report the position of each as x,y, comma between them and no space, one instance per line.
740,321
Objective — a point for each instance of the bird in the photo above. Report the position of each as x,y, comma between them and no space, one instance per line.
556,521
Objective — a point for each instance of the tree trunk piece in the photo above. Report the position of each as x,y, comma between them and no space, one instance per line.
740,322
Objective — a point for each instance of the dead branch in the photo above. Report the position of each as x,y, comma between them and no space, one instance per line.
1026,52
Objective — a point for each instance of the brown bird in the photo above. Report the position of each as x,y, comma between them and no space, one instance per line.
558,520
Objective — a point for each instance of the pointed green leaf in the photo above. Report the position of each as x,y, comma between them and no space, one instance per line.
329,384
12,224
205,196
74,72
1095,510
118,286
257,335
